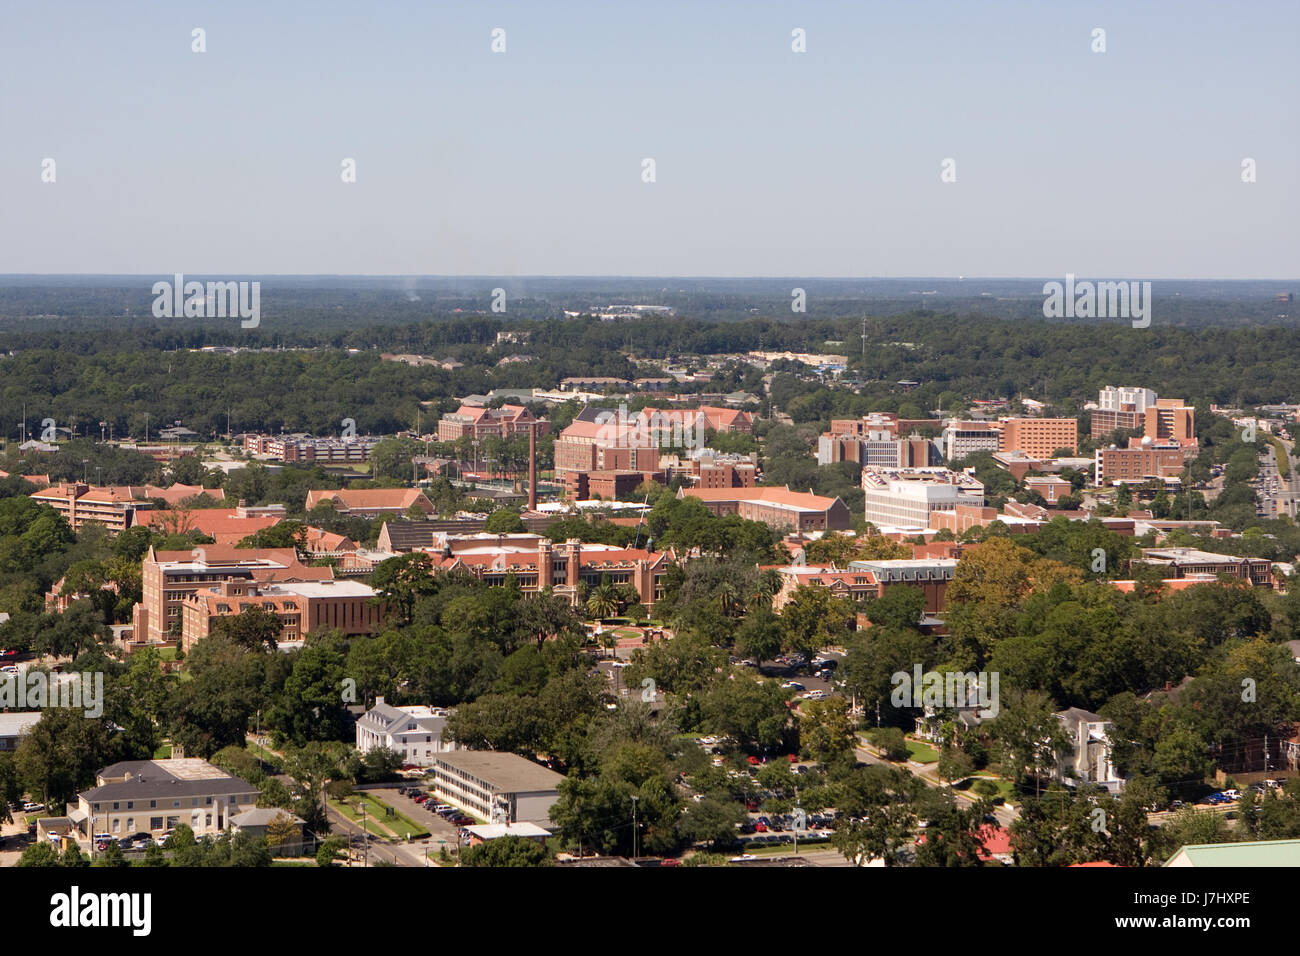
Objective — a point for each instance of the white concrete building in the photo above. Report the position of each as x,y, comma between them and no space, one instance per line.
908,497
414,732
1091,757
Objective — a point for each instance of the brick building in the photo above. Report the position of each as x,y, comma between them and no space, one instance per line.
1143,459
477,422
169,577
537,563
303,607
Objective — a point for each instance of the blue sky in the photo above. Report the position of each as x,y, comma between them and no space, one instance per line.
1123,164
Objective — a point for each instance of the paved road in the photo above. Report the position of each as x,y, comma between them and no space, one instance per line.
399,854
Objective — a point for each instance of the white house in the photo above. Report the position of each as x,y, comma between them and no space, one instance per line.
414,732
1091,757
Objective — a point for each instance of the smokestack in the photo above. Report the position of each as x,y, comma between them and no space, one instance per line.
532,467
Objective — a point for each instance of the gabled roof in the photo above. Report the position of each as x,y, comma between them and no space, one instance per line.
363,499
178,492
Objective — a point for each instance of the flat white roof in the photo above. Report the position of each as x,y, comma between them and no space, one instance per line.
491,831
321,589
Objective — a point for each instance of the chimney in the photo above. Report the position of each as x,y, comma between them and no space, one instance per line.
532,468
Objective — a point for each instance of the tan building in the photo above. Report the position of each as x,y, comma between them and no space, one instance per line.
113,506
777,507
1039,437
154,796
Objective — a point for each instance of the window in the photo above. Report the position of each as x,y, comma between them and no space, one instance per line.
130,804
155,823
117,824
153,804
130,824
194,802
176,804
116,806
208,801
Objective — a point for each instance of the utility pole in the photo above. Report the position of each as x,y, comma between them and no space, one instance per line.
634,828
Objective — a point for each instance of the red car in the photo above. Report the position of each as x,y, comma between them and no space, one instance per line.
670,861
753,761
760,827
793,758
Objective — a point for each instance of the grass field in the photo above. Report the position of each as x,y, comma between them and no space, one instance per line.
377,818
921,753
355,816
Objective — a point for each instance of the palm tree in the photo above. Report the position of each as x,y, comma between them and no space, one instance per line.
602,602
728,599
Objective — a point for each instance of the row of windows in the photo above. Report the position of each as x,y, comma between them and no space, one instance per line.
156,823
153,804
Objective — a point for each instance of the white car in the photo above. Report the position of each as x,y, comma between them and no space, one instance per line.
9,669
32,807
815,695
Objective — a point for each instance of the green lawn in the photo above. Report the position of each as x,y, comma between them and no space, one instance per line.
167,653
377,819
371,826
786,849
1006,789
401,825
163,752
921,753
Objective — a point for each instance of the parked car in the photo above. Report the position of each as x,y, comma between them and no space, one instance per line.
815,695
793,758
30,807
793,685
752,760
670,861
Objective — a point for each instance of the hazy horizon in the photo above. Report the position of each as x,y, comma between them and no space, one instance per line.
769,163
